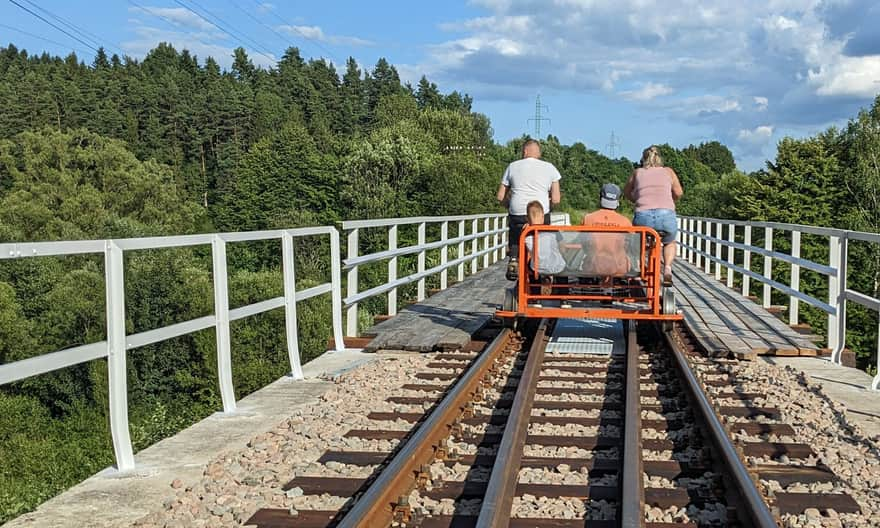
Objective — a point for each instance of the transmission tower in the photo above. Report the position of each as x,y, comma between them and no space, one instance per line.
539,108
612,146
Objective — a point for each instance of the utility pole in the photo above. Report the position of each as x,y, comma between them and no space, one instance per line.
538,116
612,146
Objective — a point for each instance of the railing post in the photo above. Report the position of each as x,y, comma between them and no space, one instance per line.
699,244
731,238
679,238
221,313
875,384
336,289
486,242
793,304
505,233
768,266
720,236
475,245
444,255
392,270
114,277
290,324
747,260
461,233
351,279
707,262
837,298
496,255
420,290
690,239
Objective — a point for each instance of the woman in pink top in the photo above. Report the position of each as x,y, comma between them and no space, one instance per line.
655,189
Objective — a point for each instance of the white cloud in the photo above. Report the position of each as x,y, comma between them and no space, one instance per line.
201,44
178,16
758,135
647,92
265,7
704,61
316,33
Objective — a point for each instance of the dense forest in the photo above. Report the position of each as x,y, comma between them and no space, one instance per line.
172,145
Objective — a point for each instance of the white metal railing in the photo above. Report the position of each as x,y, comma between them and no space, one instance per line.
698,237
487,239
117,344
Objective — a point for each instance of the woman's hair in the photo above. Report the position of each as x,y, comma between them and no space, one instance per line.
651,157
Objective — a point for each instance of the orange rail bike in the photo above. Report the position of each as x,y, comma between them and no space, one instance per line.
608,273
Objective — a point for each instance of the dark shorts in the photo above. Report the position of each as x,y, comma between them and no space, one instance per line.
660,220
515,224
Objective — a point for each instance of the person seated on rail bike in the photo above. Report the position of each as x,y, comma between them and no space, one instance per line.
605,254
550,261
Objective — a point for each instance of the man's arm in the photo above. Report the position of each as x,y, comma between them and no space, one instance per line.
555,193
501,195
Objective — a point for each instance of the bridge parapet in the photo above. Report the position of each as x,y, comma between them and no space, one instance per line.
702,242
487,238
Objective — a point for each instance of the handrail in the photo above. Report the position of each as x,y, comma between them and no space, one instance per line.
696,243
488,229
117,344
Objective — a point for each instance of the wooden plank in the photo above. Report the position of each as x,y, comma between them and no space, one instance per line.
764,321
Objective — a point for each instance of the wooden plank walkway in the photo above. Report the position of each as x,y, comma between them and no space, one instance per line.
726,323
446,320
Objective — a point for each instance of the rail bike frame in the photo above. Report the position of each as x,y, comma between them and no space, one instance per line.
637,297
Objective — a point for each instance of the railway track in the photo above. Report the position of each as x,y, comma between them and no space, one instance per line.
519,437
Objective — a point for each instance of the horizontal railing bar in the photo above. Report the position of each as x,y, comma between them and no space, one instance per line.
12,250
25,368
385,222
822,269
772,283
256,308
168,332
129,244
865,300
409,250
861,235
813,230
314,291
378,290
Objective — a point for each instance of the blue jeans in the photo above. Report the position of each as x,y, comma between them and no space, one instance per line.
660,220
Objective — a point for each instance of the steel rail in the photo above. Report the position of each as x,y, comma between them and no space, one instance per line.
753,503
498,500
632,491
376,506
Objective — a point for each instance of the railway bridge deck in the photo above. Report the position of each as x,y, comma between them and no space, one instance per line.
721,321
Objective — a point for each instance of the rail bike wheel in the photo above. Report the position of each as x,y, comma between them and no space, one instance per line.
667,307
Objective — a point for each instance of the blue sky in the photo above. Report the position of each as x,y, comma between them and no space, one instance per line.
745,73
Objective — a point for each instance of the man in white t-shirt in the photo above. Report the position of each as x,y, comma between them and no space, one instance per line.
526,180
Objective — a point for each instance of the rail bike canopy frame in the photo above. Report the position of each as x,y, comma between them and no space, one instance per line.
531,305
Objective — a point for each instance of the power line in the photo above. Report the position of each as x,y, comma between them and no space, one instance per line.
283,38
219,25
316,42
84,33
538,119
50,41
74,37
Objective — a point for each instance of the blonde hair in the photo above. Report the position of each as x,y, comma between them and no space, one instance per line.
651,157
